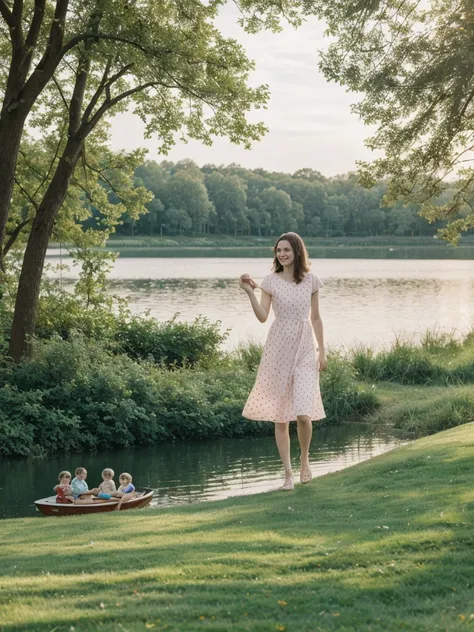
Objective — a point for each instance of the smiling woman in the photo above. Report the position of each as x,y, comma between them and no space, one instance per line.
287,384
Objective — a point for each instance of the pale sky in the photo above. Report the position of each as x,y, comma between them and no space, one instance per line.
310,122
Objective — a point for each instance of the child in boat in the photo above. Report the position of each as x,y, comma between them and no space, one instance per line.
107,487
80,489
126,489
64,490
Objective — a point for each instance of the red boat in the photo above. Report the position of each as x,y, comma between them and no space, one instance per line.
49,506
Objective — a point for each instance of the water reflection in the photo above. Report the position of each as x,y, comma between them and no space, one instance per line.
192,471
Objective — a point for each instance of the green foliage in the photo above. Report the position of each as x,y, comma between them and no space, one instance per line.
344,398
440,358
29,426
75,395
412,63
232,200
418,411
249,354
435,416
172,343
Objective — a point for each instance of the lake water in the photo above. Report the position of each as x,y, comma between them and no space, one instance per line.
187,472
366,301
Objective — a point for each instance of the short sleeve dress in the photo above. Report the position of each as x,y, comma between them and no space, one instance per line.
287,383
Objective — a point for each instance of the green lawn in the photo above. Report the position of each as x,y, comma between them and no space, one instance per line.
385,545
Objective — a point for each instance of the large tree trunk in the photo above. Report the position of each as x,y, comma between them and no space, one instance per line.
11,130
33,262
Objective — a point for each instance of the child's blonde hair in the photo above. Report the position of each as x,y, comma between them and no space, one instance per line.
80,470
63,474
126,476
108,470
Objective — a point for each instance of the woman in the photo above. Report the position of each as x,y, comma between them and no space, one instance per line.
287,384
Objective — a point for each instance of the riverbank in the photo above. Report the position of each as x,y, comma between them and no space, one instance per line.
383,247
385,545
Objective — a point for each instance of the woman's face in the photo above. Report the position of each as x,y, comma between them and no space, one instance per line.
284,253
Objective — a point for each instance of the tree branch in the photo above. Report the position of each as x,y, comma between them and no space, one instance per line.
125,40
98,92
61,93
109,103
26,194
30,166
50,168
52,56
18,13
77,98
100,173
7,15
14,236
36,23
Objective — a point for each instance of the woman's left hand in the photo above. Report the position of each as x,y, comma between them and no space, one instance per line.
323,363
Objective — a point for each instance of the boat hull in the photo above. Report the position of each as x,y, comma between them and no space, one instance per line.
49,506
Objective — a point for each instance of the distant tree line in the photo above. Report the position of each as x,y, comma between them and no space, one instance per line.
232,200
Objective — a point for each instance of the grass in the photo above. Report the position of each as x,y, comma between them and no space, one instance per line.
419,411
385,545
440,358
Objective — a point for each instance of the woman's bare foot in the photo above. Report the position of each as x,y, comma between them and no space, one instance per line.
305,473
289,483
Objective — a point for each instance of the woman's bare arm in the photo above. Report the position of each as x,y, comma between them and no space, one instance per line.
317,324
261,309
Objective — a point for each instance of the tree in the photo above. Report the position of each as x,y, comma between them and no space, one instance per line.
278,204
414,64
92,58
186,193
229,199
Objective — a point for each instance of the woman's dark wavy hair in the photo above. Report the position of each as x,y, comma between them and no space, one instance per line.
302,263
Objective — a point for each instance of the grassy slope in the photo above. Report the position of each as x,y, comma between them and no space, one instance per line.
385,545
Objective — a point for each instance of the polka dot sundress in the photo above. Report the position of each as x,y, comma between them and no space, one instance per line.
287,383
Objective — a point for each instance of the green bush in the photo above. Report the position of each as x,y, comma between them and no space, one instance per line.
343,397
171,343
30,427
249,355
75,394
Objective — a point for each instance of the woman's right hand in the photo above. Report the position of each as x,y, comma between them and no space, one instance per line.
246,283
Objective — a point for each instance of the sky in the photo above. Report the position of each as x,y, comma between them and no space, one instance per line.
310,120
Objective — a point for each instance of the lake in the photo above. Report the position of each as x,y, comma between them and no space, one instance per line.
364,301
187,472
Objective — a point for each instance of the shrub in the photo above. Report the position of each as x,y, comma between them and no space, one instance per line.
249,354
30,427
172,343
344,398
75,394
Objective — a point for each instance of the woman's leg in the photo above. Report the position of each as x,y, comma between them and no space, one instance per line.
282,438
305,432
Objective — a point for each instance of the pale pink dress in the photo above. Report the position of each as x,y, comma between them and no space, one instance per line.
287,383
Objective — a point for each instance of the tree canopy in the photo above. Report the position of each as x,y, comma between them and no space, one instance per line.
232,200
413,64
68,65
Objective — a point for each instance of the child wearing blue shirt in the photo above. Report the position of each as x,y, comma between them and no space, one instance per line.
80,489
